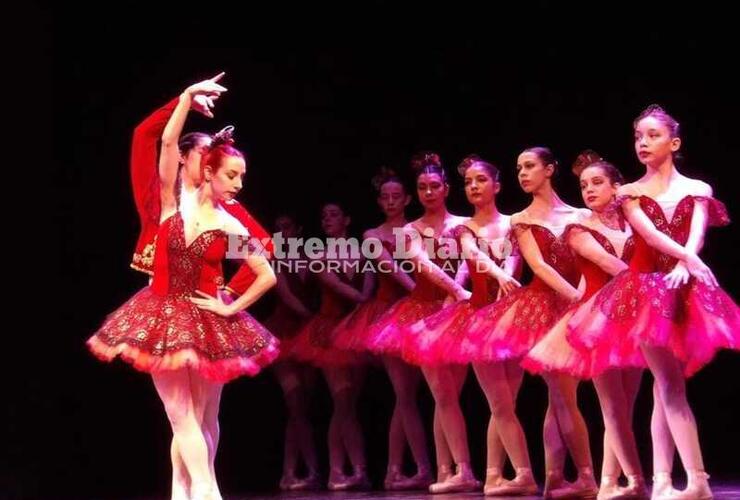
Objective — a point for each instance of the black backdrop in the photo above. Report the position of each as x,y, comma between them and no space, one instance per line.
318,106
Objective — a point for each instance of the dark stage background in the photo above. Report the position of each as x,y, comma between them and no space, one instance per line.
318,109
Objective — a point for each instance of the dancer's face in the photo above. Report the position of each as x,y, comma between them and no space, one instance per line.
653,141
480,187
333,221
287,226
597,189
431,190
226,180
191,162
393,199
533,173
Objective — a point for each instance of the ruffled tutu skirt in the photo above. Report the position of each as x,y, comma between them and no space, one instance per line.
155,333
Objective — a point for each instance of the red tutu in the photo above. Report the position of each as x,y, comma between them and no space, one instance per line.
554,352
692,322
386,336
165,332
509,328
353,332
285,327
284,322
441,338
159,328
314,344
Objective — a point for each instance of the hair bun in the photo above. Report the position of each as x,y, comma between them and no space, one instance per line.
425,159
467,162
654,108
383,176
584,159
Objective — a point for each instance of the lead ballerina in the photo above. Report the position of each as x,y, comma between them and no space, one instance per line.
178,329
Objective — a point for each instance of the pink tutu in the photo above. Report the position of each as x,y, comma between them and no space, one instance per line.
441,338
354,331
285,327
509,328
554,353
692,322
387,335
314,344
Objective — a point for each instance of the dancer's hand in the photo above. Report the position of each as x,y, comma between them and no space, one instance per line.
213,304
462,294
507,284
700,270
209,87
575,296
677,277
203,104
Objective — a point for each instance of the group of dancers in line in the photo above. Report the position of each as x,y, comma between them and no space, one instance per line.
617,287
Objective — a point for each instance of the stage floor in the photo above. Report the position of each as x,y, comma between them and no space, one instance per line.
723,490
728,490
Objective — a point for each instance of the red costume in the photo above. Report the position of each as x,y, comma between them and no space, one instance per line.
636,307
145,182
160,329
